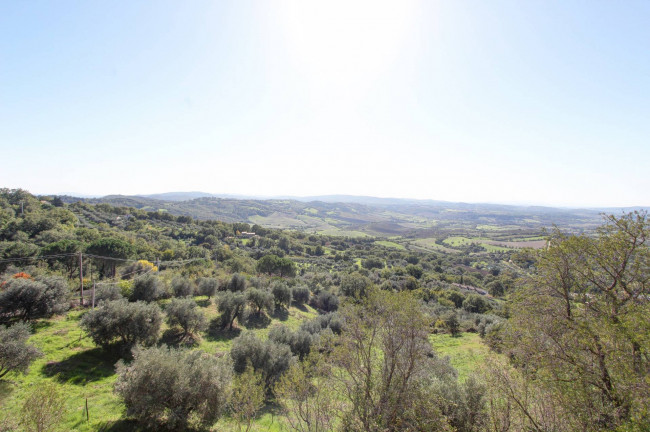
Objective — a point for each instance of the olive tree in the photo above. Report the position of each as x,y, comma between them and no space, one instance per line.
27,299
231,306
185,314
300,295
264,356
174,389
182,287
15,353
236,283
207,287
260,299
123,323
281,294
147,288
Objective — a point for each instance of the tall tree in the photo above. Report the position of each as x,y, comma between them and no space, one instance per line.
583,323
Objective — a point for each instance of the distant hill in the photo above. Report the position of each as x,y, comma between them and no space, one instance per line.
361,216
177,196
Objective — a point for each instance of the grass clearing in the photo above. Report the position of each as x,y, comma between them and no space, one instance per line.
390,244
465,352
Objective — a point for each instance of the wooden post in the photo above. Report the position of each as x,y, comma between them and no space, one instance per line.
81,278
87,413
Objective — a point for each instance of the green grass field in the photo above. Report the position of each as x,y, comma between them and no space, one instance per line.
465,352
81,370
390,244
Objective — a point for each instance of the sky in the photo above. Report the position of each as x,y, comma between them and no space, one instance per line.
526,102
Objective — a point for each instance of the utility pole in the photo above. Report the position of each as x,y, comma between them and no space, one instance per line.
81,278
92,278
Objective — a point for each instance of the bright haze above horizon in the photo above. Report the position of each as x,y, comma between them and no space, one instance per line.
478,101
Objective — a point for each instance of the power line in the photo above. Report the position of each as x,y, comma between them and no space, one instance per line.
38,257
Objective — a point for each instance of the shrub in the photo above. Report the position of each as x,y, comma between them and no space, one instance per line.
122,322
182,287
185,314
28,299
451,322
107,293
414,270
300,295
372,263
173,389
300,341
266,357
43,408
247,397
355,285
326,301
476,304
147,288
15,353
207,287
331,320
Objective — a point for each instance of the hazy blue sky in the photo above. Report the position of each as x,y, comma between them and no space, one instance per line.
486,101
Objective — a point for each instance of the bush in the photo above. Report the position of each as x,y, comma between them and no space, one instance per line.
123,323
300,341
455,297
266,357
300,295
260,299
281,295
207,287
33,298
451,322
372,263
326,301
147,288
355,285
231,306
322,322
107,293
476,304
182,287
43,408
247,397
15,353
185,314
414,270
174,389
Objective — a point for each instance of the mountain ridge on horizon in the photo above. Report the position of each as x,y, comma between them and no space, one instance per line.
360,199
